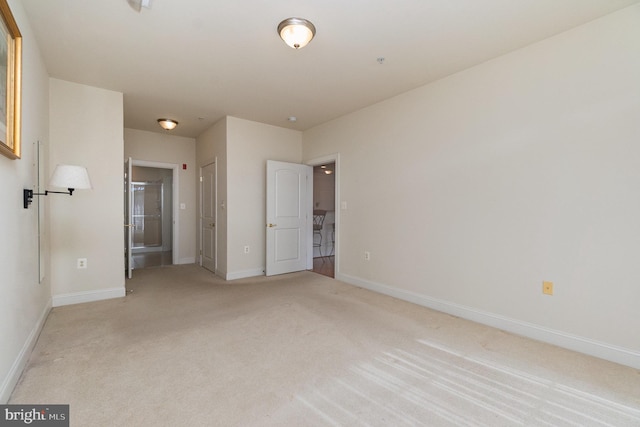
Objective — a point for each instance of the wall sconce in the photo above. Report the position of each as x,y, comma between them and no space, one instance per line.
65,176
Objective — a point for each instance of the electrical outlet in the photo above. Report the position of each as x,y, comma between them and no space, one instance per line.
82,263
547,288
367,256
246,249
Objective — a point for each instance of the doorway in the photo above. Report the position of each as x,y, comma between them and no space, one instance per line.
151,211
325,228
152,216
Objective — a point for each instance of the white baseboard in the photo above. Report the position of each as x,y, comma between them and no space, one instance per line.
19,364
588,346
88,296
234,275
190,260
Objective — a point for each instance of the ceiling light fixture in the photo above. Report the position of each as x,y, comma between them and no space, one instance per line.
137,5
167,124
296,32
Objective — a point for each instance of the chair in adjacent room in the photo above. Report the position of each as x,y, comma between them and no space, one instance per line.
333,239
318,223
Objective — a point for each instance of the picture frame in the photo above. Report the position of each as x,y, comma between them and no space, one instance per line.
10,83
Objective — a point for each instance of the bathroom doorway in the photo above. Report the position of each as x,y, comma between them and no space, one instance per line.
151,216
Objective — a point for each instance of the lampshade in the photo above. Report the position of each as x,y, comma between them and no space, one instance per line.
70,176
167,124
296,32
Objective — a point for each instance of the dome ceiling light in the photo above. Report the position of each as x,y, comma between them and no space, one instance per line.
167,124
137,5
296,32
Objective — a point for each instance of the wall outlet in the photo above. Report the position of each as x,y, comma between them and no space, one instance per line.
246,249
82,263
547,288
367,256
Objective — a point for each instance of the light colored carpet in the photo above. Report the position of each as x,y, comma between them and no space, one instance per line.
186,348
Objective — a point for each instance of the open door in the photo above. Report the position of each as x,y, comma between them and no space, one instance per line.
128,223
289,212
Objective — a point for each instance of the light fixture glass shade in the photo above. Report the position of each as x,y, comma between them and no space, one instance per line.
296,32
167,124
70,176
137,5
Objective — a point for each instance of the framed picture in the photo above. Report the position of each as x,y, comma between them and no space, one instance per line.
10,83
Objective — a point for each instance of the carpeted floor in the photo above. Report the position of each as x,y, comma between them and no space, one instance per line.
188,349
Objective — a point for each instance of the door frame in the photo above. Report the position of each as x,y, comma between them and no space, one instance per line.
213,161
318,161
175,200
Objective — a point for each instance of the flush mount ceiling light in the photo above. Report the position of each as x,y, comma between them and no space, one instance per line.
137,5
167,124
296,32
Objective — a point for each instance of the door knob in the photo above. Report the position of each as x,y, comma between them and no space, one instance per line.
212,224
272,225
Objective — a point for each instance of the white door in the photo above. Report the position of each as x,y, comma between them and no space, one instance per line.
128,224
208,217
289,210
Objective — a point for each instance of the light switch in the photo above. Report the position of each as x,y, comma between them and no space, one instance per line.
343,206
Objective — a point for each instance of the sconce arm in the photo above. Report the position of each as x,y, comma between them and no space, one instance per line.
27,195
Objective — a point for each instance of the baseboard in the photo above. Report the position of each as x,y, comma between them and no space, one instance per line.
234,275
87,296
13,376
189,260
588,346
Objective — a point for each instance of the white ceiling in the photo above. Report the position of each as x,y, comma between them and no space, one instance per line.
197,61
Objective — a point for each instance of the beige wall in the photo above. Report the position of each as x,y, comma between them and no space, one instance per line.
86,128
249,146
25,301
470,191
241,149
211,147
176,150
